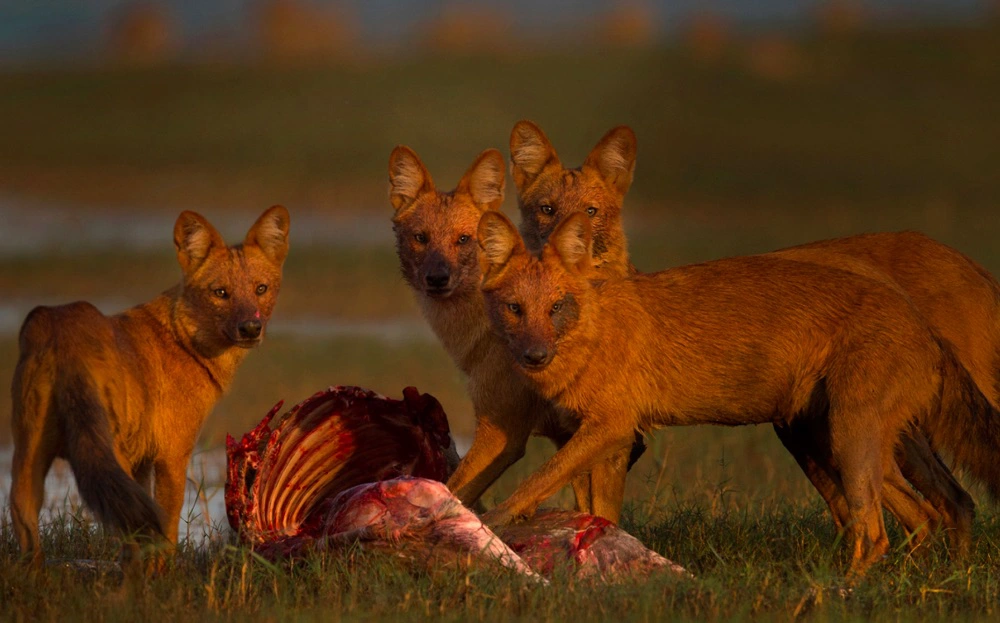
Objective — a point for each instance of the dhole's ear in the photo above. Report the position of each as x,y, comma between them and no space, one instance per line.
571,241
484,180
408,177
498,240
270,234
194,238
614,158
530,153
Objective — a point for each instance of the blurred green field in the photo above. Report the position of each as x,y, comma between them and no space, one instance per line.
891,120
875,131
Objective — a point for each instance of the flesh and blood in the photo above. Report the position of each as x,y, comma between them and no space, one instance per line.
349,466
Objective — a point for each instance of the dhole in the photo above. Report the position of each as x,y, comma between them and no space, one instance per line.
750,340
959,299
439,258
123,397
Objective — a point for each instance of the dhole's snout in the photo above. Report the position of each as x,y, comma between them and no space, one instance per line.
250,329
247,330
437,277
536,357
439,280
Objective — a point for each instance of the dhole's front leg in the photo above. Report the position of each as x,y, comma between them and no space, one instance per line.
593,443
607,485
601,491
498,444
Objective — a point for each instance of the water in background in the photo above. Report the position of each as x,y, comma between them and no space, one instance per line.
204,514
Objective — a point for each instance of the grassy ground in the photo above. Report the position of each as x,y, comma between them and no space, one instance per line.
773,563
873,132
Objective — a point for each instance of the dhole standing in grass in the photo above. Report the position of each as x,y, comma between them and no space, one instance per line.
439,258
959,299
123,397
750,340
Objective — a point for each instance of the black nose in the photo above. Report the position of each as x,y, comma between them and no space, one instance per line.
438,281
250,329
535,356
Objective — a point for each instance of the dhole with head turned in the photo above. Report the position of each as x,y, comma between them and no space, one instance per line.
123,397
750,340
439,257
958,298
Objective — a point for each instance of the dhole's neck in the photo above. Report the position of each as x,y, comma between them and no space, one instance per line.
615,262
461,325
219,364
614,268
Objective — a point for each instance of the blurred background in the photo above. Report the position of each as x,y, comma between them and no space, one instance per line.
761,124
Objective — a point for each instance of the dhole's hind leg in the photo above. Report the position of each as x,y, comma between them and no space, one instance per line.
799,440
862,459
915,514
924,469
35,445
171,481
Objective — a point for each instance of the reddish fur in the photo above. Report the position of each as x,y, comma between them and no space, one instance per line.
436,234
123,397
958,298
738,341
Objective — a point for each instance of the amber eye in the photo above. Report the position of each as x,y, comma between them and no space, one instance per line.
421,238
221,293
463,238
556,307
514,307
591,211
261,289
547,210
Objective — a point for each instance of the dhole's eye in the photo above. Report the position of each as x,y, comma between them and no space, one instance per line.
221,293
556,307
421,238
261,289
591,211
547,210
514,307
463,238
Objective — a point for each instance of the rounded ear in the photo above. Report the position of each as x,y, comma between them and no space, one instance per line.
614,158
408,177
270,234
194,238
484,180
498,240
530,153
572,242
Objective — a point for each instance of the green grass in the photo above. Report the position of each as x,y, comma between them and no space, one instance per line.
749,564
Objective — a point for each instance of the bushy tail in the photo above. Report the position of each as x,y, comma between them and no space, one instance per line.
115,498
968,426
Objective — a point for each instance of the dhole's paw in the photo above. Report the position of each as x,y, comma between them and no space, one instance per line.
497,518
148,560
